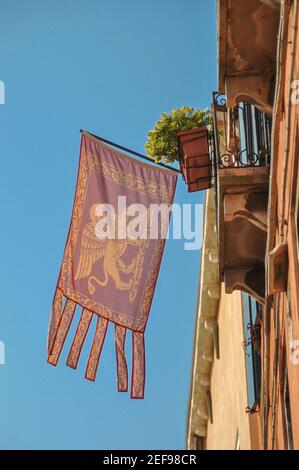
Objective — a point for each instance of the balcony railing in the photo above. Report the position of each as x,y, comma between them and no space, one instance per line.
241,138
242,135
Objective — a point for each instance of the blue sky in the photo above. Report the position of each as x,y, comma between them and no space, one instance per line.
111,67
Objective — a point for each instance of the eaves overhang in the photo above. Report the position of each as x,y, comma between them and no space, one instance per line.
207,312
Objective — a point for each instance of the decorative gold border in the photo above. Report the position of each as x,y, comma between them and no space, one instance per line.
138,372
79,338
62,331
121,363
96,349
150,166
55,318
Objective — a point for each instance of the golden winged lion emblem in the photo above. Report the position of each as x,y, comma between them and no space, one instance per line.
110,251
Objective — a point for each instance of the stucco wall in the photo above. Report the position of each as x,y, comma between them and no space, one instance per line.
228,380
285,182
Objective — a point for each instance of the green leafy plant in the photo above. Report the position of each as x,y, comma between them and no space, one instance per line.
162,140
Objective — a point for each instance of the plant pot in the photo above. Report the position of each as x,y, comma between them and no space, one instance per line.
194,158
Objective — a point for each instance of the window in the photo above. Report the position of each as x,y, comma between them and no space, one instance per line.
252,313
255,135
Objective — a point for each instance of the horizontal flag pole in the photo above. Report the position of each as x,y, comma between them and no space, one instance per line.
125,149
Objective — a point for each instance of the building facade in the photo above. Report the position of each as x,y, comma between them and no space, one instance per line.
245,375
